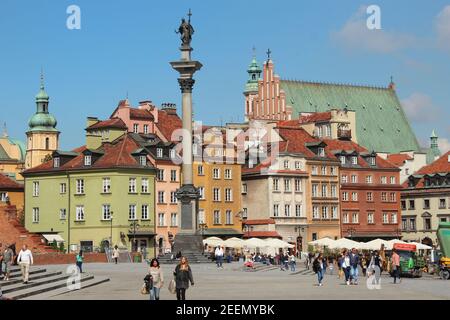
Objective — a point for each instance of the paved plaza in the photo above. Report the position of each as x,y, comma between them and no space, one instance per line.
232,283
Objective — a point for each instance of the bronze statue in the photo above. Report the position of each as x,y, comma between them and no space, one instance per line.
186,31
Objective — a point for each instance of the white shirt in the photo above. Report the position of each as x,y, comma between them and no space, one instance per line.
219,252
25,257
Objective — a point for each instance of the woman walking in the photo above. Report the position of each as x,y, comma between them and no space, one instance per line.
320,267
79,262
183,275
346,266
115,254
157,278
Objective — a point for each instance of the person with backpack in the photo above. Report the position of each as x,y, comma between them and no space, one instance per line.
320,267
79,260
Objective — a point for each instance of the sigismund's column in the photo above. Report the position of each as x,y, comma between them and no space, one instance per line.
187,238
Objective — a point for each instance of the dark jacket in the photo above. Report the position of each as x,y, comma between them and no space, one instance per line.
354,260
316,264
183,277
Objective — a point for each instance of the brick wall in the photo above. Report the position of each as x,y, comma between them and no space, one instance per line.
60,258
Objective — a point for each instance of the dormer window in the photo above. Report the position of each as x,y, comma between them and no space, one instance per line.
354,160
159,152
372,161
87,160
286,164
56,162
321,152
172,154
143,160
342,159
136,128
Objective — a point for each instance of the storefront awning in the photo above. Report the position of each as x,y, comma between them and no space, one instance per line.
142,234
52,237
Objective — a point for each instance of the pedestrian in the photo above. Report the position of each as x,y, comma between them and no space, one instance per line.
346,266
395,266
7,261
331,264
157,279
320,267
375,266
354,263
25,259
79,260
183,275
292,262
116,254
339,263
286,261
219,257
363,264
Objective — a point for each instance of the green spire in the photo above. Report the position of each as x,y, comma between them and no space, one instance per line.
42,120
434,151
254,73
42,96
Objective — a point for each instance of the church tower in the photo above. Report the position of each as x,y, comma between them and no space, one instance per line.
251,88
435,153
42,135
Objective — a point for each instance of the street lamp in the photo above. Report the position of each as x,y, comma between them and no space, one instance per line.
134,226
110,235
351,231
300,231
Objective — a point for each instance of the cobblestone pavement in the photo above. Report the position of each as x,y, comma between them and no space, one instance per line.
231,283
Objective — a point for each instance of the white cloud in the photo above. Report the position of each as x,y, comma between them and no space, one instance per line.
419,107
444,144
442,25
355,35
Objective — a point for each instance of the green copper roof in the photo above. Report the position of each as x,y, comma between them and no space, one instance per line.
3,154
433,134
381,123
254,73
21,146
42,120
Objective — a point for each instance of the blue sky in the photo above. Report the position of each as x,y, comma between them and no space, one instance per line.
126,46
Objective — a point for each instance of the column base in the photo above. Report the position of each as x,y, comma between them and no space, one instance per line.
188,243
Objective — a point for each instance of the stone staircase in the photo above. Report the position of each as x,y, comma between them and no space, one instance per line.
43,284
193,257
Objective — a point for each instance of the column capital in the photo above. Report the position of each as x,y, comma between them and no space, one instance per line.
186,85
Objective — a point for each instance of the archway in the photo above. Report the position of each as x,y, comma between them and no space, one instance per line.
427,241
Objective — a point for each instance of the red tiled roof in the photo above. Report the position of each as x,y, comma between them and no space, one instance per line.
255,222
140,114
295,140
398,159
7,183
441,165
316,117
115,155
167,123
261,234
110,123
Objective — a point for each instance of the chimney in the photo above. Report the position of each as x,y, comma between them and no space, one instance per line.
93,139
146,105
91,121
169,108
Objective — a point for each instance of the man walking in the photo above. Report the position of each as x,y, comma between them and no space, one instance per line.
395,266
354,262
219,257
25,259
8,259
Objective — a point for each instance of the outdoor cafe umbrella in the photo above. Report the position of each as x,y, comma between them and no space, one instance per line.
345,243
277,243
255,243
421,246
390,244
324,242
213,241
234,243
374,244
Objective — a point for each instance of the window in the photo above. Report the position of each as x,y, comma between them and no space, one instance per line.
276,212
47,143
427,224
321,152
333,191
216,194
383,180
287,185
370,218
316,212
426,204
35,189
228,174
145,128
132,212
62,188
384,196
135,128
345,196
334,212
173,220
298,185
354,196
372,161
392,180
228,195
56,162
368,179
106,212
144,185
404,224
201,216
314,170
202,192
87,160
328,130
200,170
245,213
244,188
216,217
160,175
216,173
159,152
324,170
173,154
275,185
392,197
173,197
394,218
345,217
173,175
144,212
355,217
132,185
369,196
80,186
407,171
342,159
298,165
412,224
403,204
228,217
319,131
412,205
298,210
354,179
79,213
385,218
315,190
161,197
324,212
324,191
286,164
344,179
441,203
287,210
35,215
143,161
354,160
106,186
333,171
62,214
161,219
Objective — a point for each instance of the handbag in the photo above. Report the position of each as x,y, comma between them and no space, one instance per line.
172,286
144,289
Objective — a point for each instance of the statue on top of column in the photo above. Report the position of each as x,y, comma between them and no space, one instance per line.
186,31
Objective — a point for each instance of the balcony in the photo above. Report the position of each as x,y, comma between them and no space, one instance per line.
344,134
